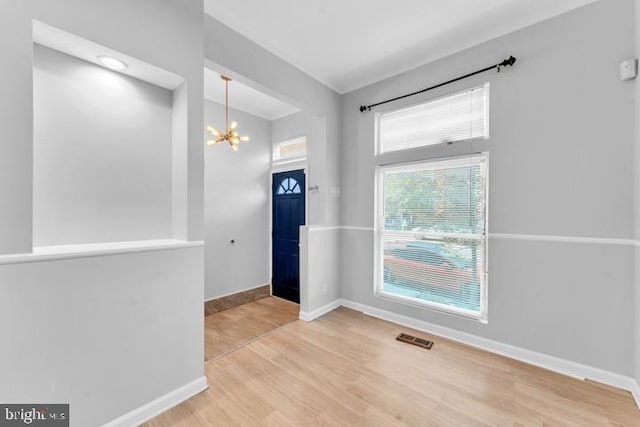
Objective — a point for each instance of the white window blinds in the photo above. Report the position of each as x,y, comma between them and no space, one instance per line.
290,150
431,231
457,117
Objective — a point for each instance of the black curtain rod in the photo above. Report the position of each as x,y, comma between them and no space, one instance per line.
509,61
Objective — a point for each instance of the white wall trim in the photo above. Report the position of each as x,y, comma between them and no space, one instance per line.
163,403
634,388
323,227
354,228
309,316
54,253
289,166
535,237
238,292
552,363
565,239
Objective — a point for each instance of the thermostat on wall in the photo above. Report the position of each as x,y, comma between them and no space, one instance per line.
629,69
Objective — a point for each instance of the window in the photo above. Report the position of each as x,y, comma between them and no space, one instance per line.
291,150
461,116
431,231
289,186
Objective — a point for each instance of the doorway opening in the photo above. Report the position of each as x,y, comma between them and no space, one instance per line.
288,193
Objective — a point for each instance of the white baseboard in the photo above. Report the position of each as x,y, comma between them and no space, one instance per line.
308,316
154,408
551,363
237,292
635,391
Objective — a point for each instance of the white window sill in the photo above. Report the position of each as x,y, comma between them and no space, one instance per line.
51,253
434,306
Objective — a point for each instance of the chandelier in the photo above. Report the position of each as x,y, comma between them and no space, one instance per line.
230,134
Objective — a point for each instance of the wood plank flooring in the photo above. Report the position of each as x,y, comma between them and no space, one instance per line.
347,369
232,328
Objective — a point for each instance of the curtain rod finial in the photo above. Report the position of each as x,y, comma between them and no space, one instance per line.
509,61
364,108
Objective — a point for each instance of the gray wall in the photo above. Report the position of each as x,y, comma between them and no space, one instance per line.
127,328
93,128
319,262
561,164
104,334
225,49
312,127
251,64
237,206
93,21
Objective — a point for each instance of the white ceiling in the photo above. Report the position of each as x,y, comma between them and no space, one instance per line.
348,44
244,98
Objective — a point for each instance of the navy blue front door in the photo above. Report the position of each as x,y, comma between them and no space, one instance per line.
288,215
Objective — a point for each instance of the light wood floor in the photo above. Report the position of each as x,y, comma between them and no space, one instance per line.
232,328
346,369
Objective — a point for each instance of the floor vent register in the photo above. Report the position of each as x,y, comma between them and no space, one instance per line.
410,339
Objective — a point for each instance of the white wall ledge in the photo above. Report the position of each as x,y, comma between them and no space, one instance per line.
52,253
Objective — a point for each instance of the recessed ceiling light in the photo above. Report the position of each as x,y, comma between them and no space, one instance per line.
113,63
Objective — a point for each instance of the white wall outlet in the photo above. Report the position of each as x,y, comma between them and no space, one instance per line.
629,69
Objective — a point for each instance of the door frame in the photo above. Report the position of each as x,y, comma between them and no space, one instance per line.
285,167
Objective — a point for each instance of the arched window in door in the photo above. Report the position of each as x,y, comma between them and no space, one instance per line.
289,186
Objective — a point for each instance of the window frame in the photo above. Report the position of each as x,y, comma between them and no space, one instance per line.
276,147
379,233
